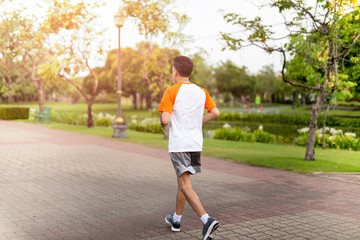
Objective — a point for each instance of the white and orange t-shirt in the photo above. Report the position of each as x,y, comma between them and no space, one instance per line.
186,102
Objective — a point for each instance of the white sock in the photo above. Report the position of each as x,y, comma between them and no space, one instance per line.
177,218
204,218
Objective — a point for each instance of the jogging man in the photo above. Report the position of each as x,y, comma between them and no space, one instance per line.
182,106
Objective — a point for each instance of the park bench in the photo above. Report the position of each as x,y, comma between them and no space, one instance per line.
43,115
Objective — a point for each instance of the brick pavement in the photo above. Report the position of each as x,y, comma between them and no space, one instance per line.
61,185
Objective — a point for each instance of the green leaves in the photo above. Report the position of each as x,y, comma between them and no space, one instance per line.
354,59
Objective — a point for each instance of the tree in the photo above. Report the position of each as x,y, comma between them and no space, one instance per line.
73,25
153,18
350,63
315,41
132,83
10,51
202,74
233,80
132,72
36,56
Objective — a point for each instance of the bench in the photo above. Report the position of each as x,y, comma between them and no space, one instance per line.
43,116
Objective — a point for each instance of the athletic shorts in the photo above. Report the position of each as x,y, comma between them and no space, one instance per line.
186,162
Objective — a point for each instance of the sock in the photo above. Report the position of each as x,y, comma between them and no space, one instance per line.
204,218
177,218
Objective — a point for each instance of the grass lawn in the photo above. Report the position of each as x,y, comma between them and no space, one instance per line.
269,155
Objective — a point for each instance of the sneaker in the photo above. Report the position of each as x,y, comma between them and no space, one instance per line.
175,226
209,228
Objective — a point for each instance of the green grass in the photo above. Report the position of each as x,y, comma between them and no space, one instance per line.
268,155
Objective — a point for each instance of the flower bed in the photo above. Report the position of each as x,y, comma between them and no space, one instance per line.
333,139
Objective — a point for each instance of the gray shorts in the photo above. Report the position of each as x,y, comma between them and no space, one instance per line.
186,162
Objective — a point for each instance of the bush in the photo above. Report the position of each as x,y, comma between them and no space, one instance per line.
238,134
99,119
12,113
333,139
294,119
348,104
147,125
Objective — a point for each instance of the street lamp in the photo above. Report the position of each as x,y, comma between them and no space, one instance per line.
119,125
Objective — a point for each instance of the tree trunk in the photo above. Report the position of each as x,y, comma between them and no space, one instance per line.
141,102
324,126
310,143
134,100
39,87
303,96
293,100
148,101
138,99
90,117
10,97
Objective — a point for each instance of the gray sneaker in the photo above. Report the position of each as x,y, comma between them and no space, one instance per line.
209,228
175,226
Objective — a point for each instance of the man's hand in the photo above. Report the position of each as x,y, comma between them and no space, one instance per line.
164,119
214,113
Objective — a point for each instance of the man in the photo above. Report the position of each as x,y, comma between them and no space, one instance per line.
183,106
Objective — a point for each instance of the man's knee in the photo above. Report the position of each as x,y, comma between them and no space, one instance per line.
184,182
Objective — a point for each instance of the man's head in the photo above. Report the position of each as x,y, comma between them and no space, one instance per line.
182,67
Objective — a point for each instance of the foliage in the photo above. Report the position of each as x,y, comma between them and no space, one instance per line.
11,113
316,45
202,73
233,79
333,139
146,125
132,71
77,33
238,134
294,119
154,18
349,104
75,118
11,72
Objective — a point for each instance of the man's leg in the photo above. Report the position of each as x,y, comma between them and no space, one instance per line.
180,202
184,184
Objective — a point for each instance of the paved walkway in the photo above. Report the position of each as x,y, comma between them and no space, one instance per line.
61,185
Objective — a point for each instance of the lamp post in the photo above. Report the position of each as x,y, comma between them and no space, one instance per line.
119,125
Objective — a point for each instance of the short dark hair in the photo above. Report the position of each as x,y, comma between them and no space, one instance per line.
183,65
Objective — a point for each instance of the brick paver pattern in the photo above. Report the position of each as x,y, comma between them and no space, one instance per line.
61,185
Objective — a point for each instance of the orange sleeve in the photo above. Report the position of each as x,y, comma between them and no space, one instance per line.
166,104
168,99
209,102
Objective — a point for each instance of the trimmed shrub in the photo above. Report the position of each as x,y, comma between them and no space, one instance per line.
348,104
12,113
238,134
99,119
151,125
293,119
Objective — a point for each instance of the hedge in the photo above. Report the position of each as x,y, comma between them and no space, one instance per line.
12,113
348,104
293,119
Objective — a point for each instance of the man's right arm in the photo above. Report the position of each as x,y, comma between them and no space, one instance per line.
214,113
165,118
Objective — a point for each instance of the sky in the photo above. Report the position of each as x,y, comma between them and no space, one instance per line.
205,26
